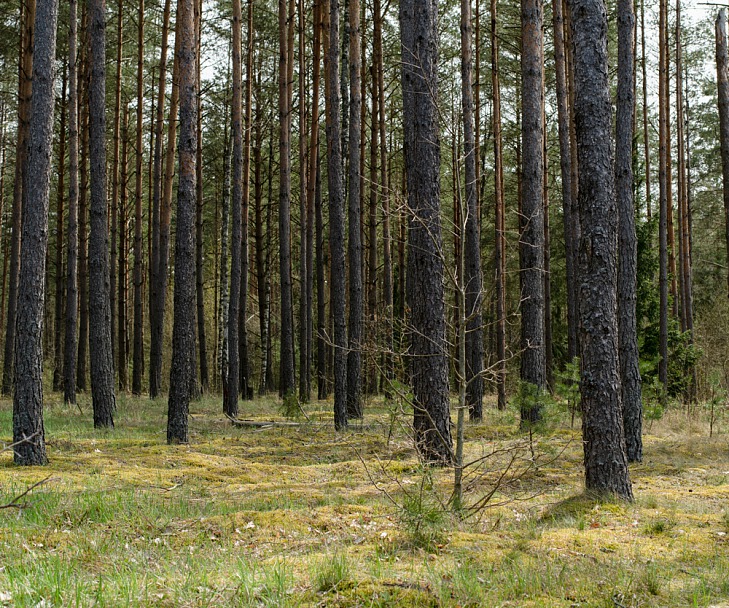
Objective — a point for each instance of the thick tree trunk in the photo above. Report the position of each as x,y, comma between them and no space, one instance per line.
627,240
532,234
71,330
230,394
155,355
472,279
58,318
115,210
606,466
21,159
284,206
102,363
429,368
138,357
336,219
183,331
28,395
304,268
354,356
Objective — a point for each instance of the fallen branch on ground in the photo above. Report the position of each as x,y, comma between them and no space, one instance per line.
261,423
16,504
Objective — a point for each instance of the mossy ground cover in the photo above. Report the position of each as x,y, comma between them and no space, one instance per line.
301,516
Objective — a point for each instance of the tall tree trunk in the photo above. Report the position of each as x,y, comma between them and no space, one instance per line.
156,328
532,234
284,206
336,219
606,466
429,371
21,159
58,318
663,155
374,187
183,331
115,211
354,356
387,285
722,69
71,330
627,240
138,358
122,277
548,354
472,279
83,213
230,395
499,222
565,159
304,269
245,381
313,170
28,395
199,230
646,146
102,363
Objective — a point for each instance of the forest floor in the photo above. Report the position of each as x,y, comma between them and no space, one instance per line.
301,516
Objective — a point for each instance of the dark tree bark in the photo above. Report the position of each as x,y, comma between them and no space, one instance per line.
28,396
311,182
336,219
115,177
102,364
199,226
565,158
123,267
499,223
606,466
58,318
183,331
429,368
663,155
156,329
245,378
722,69
548,354
354,356
304,267
71,330
25,87
83,215
627,240
533,371
472,280
287,380
138,357
230,395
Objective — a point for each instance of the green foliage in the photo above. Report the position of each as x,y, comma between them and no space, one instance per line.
568,386
422,516
290,407
330,572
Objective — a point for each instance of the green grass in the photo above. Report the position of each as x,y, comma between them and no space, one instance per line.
300,516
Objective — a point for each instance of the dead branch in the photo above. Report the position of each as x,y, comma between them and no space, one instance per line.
16,502
27,439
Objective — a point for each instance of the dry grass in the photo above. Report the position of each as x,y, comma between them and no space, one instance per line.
298,517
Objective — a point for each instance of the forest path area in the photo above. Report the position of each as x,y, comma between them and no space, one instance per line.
301,516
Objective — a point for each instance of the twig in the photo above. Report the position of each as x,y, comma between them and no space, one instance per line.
22,441
261,423
16,504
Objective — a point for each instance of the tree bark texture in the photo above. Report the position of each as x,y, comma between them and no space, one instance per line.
425,292
606,466
183,330
472,279
663,155
71,321
28,395
627,240
722,70
533,365
336,219
354,334
102,363
138,357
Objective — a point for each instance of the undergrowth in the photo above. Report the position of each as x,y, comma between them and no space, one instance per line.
299,516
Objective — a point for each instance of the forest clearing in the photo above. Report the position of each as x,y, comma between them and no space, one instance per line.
292,516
